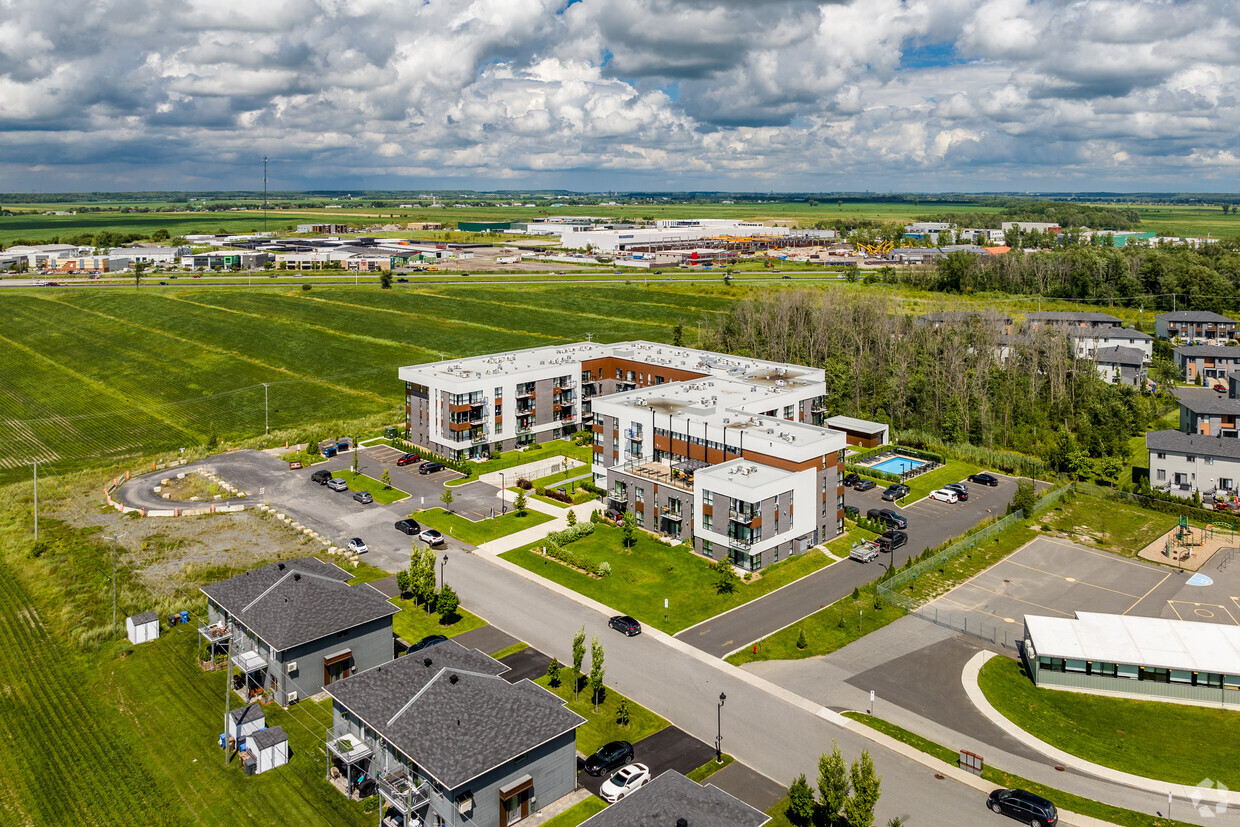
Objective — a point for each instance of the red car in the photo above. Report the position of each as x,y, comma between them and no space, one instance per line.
408,459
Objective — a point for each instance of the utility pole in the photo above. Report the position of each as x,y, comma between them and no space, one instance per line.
264,194
114,538
36,499
266,421
227,689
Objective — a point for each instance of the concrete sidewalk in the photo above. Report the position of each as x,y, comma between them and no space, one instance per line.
538,532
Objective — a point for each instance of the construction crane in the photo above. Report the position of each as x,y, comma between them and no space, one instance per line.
878,250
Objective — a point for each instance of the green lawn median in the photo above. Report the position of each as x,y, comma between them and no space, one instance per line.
412,623
651,571
384,494
578,813
482,531
602,727
1171,742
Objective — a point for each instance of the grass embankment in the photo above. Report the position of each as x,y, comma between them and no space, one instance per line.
362,573
412,623
1126,530
601,727
1066,801
482,531
642,576
1172,742
512,459
384,494
519,646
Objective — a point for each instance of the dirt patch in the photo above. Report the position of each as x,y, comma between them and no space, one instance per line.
191,488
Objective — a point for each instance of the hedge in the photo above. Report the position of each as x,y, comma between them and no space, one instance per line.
885,476
571,534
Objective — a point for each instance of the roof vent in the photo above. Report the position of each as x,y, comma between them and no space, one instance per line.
279,566
682,822
426,662
452,679
296,575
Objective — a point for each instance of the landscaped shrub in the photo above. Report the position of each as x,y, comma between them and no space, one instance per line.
872,473
604,569
553,494
572,533
524,484
586,485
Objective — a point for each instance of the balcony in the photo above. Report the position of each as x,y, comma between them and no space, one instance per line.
565,386
741,545
524,427
481,436
635,436
525,394
349,748
403,790
745,517
218,634
249,662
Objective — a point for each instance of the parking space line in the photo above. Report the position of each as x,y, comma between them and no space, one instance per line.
1147,594
1018,600
1071,579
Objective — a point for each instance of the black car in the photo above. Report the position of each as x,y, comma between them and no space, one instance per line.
895,492
893,518
851,480
984,479
960,488
429,640
626,624
429,467
409,527
321,477
402,280
1024,807
408,459
892,540
864,485
852,512
609,757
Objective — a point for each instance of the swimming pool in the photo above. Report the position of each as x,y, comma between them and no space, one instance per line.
898,465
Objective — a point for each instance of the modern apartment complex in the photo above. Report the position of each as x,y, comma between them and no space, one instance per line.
732,455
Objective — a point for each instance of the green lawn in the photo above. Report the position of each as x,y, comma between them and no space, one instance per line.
519,646
511,459
1067,801
601,727
382,494
477,533
1173,742
652,570
710,768
576,472
364,573
578,813
412,623
1126,529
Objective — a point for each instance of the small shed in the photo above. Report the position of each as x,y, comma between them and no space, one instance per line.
244,721
269,748
142,628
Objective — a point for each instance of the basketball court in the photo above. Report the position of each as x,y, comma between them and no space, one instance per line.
1056,578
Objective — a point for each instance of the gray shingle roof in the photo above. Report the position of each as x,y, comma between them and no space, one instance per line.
297,601
1206,401
1193,316
250,712
268,737
1115,333
145,617
454,730
962,316
1197,444
671,796
1215,351
1053,316
1119,356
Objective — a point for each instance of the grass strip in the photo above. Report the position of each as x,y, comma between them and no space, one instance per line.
482,531
384,494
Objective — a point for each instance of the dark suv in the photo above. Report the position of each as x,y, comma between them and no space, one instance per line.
895,492
887,516
609,757
429,467
626,624
851,480
892,540
321,476
1024,807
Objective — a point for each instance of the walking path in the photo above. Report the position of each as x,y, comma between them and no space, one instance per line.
535,533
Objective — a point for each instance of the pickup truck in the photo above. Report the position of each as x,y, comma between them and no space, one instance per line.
864,553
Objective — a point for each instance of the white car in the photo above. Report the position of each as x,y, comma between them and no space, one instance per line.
945,495
625,780
358,546
431,537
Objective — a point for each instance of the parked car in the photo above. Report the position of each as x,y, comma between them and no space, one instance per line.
431,537
364,497
164,283
624,782
865,485
429,640
408,459
322,476
864,553
886,515
851,512
626,624
895,491
892,540
358,546
409,527
1024,806
609,757
945,495
337,484
960,488
429,467
984,479
402,280
851,480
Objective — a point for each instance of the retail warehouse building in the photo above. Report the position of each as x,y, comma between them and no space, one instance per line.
732,455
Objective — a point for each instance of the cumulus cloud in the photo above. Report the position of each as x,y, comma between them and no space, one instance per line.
615,94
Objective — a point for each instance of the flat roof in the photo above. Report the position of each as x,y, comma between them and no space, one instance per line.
1142,641
861,426
753,474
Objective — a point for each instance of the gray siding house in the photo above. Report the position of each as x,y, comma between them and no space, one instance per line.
444,740
1121,365
1199,326
293,628
1207,361
1183,463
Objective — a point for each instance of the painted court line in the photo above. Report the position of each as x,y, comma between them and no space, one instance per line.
1199,612
1147,594
980,611
1071,579
1018,600
1107,555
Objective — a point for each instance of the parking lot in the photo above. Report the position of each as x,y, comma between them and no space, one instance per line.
668,749
1056,578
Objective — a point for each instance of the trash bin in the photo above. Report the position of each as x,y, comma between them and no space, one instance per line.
185,617
389,432
342,445
329,451
223,740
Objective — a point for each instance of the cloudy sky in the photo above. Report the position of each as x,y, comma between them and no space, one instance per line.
926,95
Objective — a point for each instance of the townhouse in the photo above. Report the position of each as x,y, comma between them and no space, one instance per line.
948,319
1087,341
1207,362
442,738
1067,320
1203,455
1196,326
294,627
1121,365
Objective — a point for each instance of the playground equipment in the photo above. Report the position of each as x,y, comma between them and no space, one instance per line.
1180,543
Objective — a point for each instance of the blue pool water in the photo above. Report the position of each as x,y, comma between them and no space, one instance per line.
898,465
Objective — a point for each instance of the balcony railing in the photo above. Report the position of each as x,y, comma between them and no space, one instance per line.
743,516
733,542
523,427
481,436
403,790
349,748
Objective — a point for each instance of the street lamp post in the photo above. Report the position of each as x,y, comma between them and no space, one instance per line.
719,729
503,501
266,420
442,563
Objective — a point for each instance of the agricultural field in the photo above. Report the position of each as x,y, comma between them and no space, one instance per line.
1185,220
102,377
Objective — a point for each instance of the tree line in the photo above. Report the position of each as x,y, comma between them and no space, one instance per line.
973,384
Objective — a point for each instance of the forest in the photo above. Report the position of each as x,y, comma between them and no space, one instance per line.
974,384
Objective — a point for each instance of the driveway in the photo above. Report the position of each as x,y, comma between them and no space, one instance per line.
670,748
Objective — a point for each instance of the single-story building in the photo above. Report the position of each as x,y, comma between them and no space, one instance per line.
266,750
860,432
242,721
443,739
293,628
1151,658
671,799
1201,326
1121,365
142,628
